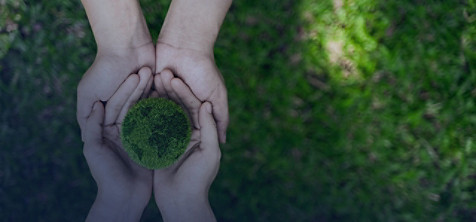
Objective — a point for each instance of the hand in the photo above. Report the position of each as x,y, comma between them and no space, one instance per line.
198,70
181,191
108,71
124,188
124,45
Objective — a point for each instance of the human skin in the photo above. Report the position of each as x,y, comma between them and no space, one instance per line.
181,191
185,46
124,45
124,188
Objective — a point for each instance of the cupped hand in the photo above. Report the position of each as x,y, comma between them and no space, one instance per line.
109,70
181,190
120,181
199,71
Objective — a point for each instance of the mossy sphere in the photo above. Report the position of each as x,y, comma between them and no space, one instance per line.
155,132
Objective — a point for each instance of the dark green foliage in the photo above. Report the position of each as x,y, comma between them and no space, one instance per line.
155,132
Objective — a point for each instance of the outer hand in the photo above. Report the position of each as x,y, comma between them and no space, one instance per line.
181,191
124,188
199,72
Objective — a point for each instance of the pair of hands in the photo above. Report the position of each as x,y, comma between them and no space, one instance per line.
124,188
128,66
195,67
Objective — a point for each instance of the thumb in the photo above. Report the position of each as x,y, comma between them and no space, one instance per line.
93,130
208,129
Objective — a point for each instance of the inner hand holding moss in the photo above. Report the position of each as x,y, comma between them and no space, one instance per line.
124,188
181,190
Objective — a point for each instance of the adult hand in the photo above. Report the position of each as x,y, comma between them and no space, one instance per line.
107,73
124,188
181,191
185,46
124,45
198,70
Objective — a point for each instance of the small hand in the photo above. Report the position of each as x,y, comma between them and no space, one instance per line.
124,188
198,70
181,191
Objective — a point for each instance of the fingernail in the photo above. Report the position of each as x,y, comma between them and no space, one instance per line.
209,107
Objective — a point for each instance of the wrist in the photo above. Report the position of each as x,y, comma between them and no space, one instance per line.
117,24
168,56
173,51
201,43
126,46
113,208
186,209
194,24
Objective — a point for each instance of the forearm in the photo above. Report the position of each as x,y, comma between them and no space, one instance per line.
187,210
194,24
117,24
108,209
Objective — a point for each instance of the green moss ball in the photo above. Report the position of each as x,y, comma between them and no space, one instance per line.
155,132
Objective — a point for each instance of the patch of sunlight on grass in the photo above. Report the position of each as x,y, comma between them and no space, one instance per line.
341,30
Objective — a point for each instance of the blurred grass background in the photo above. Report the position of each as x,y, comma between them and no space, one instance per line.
341,110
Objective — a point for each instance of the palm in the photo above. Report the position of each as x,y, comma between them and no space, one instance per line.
200,73
114,172
195,170
174,178
107,73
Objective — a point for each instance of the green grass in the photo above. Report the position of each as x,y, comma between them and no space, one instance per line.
363,112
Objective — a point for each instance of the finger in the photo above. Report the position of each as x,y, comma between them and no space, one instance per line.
159,86
93,126
222,125
84,106
188,100
166,77
220,113
119,99
145,75
208,130
148,88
